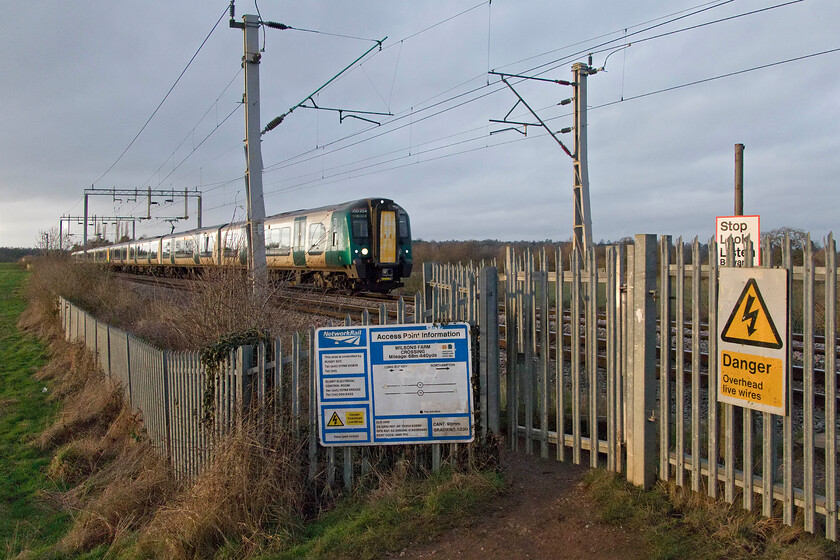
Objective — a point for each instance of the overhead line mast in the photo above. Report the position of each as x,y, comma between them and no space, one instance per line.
582,226
253,150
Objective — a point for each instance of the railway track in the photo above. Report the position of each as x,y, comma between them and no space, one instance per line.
339,307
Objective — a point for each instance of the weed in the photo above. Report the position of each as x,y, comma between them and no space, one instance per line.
679,523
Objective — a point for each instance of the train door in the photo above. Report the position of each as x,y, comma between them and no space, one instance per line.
388,237
299,242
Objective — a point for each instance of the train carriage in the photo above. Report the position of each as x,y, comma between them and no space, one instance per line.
359,245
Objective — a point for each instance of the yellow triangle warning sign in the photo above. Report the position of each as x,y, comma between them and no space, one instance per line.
750,323
335,420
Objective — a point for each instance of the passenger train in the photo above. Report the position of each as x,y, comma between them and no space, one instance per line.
359,245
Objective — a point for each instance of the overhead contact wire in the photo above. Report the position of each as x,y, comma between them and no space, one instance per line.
165,97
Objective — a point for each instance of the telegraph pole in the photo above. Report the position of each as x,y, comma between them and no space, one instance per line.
739,179
253,151
583,218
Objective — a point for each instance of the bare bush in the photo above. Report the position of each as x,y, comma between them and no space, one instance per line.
223,302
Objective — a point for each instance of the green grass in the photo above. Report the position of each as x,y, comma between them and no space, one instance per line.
26,521
679,524
375,525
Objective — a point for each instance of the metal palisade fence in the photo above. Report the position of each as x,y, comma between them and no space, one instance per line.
187,410
610,361
592,374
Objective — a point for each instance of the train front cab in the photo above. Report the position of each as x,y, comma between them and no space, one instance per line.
381,244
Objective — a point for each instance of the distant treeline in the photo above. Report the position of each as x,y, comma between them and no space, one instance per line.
12,254
488,249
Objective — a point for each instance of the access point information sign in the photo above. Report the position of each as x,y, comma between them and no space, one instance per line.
752,314
394,384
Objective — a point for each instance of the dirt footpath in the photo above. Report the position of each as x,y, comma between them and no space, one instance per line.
544,514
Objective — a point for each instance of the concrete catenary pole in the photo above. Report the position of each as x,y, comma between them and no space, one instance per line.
253,150
583,219
84,235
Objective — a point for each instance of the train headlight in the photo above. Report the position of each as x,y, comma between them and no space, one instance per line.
364,251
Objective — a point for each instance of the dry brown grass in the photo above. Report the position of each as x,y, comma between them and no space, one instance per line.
90,410
223,302
252,494
114,479
117,499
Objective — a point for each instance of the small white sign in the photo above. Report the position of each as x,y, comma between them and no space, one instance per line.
738,227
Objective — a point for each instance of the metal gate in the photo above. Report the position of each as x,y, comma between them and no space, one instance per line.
591,375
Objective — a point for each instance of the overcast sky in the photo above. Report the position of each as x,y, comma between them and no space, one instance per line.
78,80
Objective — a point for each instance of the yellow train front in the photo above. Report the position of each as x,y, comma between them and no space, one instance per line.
359,245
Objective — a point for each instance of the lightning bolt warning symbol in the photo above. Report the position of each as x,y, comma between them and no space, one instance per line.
750,322
751,316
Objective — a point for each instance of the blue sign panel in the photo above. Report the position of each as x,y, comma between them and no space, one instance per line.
394,384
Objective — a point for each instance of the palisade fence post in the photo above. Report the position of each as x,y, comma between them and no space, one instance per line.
642,464
427,287
108,349
488,323
244,355
167,411
128,371
313,408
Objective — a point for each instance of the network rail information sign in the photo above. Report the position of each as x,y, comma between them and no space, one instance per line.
752,314
394,384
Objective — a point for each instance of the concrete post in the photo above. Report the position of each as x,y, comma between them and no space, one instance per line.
488,322
641,460
583,217
253,150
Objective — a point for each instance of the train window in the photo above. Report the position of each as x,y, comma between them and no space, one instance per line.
403,226
153,250
277,241
317,238
300,231
167,248
280,243
272,239
284,244
207,245
232,241
360,227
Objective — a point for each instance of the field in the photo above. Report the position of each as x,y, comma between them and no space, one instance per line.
25,411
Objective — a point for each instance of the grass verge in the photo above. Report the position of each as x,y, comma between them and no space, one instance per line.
678,523
398,514
26,519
